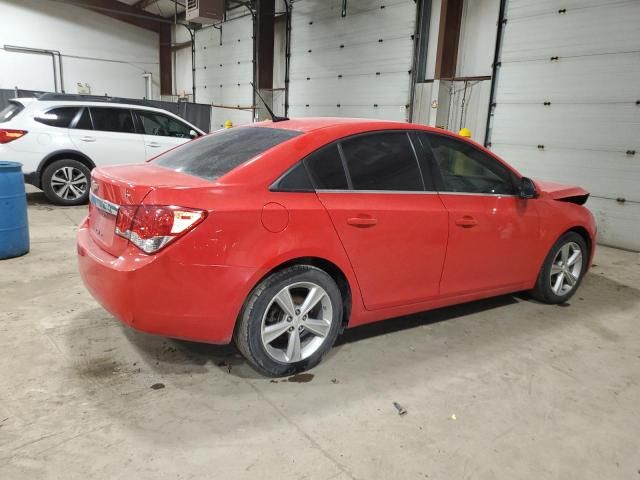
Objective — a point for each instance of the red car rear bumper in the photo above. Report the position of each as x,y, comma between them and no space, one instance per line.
159,295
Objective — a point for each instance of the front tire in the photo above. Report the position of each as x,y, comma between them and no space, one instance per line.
66,182
289,321
563,269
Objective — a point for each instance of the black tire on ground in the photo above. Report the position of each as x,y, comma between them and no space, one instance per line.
60,168
248,331
543,290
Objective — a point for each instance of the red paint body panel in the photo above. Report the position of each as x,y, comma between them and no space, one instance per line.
499,249
402,240
400,253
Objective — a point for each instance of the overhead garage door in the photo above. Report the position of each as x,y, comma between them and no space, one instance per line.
224,73
567,104
358,65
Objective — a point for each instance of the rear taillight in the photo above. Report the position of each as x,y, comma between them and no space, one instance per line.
152,227
7,135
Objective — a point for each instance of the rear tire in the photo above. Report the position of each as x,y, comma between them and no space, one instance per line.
289,321
66,182
563,270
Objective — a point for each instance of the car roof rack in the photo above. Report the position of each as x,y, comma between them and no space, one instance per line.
69,97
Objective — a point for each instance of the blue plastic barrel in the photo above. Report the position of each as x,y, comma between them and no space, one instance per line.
14,226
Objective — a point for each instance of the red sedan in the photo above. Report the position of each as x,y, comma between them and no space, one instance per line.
280,235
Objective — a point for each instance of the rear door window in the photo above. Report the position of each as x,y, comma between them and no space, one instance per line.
84,122
295,180
10,111
215,155
60,117
382,161
326,169
162,125
112,119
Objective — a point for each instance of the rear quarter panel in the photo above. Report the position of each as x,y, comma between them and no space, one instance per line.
234,233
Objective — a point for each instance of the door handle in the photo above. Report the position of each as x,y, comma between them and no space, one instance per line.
466,222
153,144
88,139
362,222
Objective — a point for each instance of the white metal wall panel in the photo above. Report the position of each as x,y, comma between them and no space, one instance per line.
224,72
585,126
357,65
581,58
599,29
528,8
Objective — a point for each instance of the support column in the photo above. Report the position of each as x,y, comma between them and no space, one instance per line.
265,10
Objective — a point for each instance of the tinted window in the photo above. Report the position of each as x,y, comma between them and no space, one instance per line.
214,155
112,119
57,117
84,122
295,180
326,170
466,169
382,161
10,111
162,125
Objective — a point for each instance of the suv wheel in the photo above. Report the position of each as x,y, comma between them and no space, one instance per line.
66,182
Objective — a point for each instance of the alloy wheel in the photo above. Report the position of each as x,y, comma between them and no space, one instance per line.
566,268
296,322
69,183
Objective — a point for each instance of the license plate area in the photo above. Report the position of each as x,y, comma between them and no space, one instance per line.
102,220
102,225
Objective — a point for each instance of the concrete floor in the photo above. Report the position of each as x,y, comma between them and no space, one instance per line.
505,388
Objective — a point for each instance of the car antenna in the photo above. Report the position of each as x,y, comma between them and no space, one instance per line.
274,117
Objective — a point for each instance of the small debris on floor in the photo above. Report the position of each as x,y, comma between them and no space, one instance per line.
301,378
400,408
225,364
453,416
273,381
335,380
564,304
157,386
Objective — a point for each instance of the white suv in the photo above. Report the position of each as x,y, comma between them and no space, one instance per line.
59,139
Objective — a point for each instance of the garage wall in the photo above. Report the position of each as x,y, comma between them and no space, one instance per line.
224,69
109,55
567,103
353,66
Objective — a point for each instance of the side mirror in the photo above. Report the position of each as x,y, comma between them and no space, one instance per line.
527,189
193,134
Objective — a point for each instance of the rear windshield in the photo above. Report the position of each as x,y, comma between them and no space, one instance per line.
214,155
10,111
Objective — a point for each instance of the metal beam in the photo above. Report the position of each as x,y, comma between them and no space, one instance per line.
142,4
265,10
448,38
123,12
